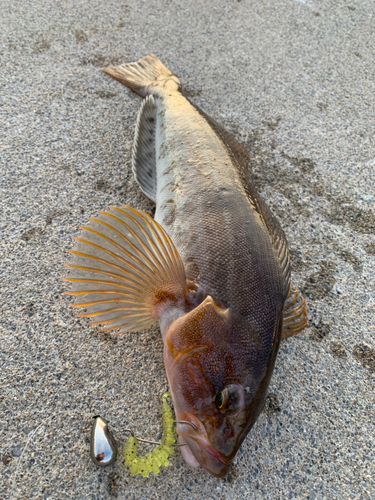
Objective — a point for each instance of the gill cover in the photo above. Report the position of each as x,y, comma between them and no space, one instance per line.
196,331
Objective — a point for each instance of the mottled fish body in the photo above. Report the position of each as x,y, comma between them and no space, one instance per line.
213,269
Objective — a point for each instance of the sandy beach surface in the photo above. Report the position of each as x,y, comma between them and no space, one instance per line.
294,82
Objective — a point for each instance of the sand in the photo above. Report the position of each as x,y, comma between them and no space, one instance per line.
294,81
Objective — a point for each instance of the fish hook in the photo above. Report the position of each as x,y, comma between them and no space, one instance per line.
149,441
185,422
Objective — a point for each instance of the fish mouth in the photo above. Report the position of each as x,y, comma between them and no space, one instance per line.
200,448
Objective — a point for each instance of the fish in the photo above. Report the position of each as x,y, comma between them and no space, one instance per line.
212,267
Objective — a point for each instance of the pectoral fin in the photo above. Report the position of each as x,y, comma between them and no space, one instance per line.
295,314
123,267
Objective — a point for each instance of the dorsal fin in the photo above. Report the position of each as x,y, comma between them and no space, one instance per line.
123,268
143,158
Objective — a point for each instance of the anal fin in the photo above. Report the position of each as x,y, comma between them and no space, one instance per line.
295,314
143,158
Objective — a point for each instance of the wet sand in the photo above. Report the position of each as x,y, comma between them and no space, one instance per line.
294,82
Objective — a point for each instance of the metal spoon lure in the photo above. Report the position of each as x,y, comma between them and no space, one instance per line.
103,448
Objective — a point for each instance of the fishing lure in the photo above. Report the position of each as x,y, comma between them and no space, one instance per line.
159,455
103,448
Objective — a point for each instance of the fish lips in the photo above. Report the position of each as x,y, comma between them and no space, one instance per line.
209,458
201,448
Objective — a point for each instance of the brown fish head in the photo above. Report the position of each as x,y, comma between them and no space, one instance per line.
218,381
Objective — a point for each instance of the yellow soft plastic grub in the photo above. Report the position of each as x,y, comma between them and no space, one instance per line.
159,455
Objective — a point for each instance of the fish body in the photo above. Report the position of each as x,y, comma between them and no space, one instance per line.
227,252
222,292
202,203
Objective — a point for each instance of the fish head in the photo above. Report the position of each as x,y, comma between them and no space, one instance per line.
217,392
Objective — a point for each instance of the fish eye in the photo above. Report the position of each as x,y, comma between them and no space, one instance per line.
230,399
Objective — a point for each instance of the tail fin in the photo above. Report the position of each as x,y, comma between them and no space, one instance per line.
145,76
